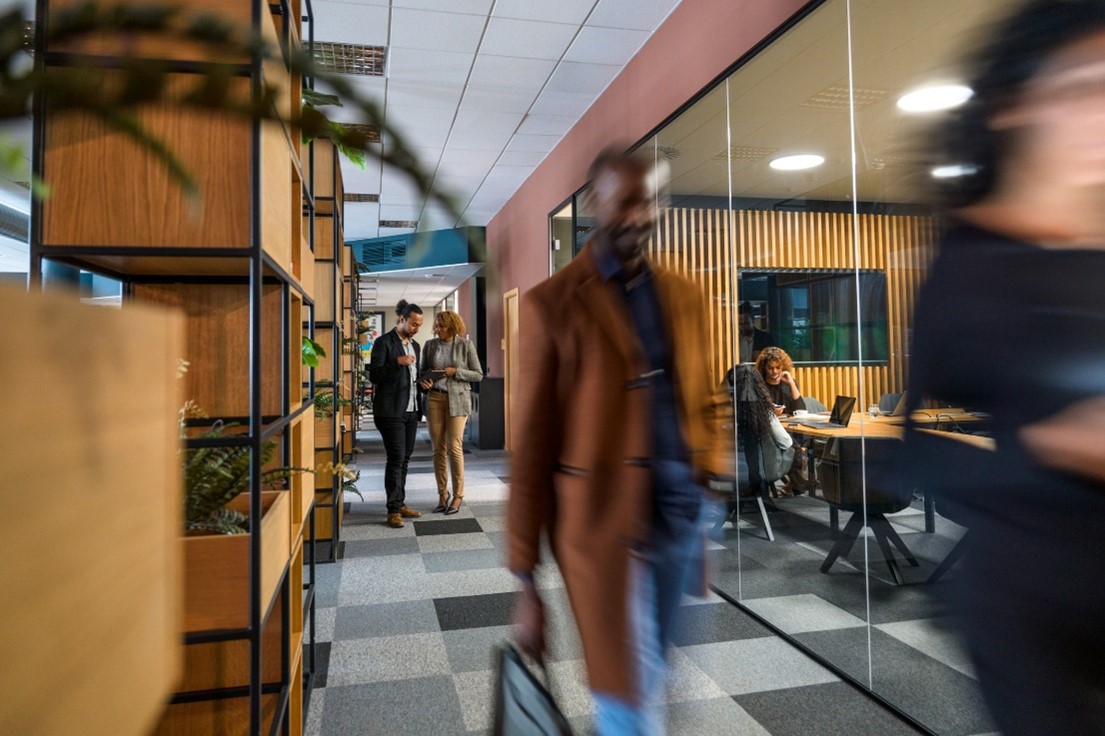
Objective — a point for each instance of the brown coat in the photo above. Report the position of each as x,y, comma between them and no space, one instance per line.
582,439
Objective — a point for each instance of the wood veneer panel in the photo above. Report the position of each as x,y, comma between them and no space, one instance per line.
217,343
701,243
108,192
89,629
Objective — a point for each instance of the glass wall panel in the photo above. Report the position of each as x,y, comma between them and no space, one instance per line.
796,198
899,47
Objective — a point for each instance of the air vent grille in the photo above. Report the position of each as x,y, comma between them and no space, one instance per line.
744,153
399,223
836,97
384,252
351,58
355,197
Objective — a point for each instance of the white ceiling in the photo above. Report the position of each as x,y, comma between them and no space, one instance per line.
481,89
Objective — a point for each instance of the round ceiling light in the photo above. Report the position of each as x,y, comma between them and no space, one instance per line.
953,170
935,97
797,162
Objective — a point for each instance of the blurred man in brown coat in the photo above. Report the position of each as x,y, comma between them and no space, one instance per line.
618,426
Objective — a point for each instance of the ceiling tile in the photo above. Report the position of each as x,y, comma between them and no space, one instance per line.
521,158
424,29
417,94
587,78
562,103
475,7
356,179
410,119
467,158
491,122
371,89
542,143
479,140
641,15
605,45
400,211
496,99
547,124
526,39
340,22
561,11
433,67
492,71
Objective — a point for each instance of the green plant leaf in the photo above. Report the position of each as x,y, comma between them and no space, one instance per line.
311,352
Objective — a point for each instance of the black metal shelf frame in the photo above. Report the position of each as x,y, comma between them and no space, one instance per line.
260,269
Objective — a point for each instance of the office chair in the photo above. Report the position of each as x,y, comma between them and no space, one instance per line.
759,464
813,404
889,402
841,474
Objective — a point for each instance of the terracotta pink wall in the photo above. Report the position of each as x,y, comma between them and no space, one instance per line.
699,40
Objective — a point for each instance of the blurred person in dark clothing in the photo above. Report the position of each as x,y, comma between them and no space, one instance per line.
1012,322
752,338
618,426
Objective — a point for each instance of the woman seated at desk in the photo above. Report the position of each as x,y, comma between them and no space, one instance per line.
777,371
754,409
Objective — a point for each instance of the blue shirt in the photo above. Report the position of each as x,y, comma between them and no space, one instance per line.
676,498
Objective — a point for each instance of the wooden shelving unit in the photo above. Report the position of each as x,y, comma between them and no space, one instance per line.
331,326
239,266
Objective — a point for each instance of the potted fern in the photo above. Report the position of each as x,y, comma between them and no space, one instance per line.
216,544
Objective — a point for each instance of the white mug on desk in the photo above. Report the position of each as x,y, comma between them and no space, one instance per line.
801,413
873,410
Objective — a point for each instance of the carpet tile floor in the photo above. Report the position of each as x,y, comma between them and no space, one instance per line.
407,621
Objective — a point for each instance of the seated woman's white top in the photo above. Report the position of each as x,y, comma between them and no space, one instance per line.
782,439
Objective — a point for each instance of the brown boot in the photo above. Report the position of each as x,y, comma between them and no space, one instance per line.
409,513
395,521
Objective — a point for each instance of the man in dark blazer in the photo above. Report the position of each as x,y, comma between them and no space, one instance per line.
397,405
617,427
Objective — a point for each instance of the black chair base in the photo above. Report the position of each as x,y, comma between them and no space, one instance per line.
885,535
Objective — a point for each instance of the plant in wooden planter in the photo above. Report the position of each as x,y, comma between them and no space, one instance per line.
327,400
349,476
216,476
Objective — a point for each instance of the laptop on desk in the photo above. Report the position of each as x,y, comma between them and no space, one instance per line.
840,416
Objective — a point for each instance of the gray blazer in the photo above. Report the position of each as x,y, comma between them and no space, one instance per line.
468,372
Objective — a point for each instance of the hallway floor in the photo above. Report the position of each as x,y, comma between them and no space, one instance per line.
407,621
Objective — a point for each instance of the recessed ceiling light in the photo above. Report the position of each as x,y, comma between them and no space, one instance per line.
934,97
953,170
797,162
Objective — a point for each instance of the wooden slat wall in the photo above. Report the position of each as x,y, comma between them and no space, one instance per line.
710,245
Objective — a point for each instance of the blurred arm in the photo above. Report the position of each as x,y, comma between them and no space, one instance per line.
1072,440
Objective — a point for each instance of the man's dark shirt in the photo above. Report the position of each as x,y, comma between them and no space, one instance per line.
676,498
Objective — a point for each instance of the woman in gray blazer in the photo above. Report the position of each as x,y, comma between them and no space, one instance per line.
450,403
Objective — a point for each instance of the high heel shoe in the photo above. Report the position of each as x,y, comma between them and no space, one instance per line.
452,510
442,503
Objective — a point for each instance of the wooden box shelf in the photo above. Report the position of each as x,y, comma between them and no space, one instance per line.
216,568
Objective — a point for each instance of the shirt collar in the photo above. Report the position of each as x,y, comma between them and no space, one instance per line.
608,266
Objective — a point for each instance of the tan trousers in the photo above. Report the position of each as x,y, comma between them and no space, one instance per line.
447,437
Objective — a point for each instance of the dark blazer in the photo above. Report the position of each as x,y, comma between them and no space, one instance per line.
390,381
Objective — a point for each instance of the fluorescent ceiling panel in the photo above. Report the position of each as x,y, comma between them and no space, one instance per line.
526,39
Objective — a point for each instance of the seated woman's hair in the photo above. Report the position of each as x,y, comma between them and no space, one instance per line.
773,355
754,407
405,309
452,322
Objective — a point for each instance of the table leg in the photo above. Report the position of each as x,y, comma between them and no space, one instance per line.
930,513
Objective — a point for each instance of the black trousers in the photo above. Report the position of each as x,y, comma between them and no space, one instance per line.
399,435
